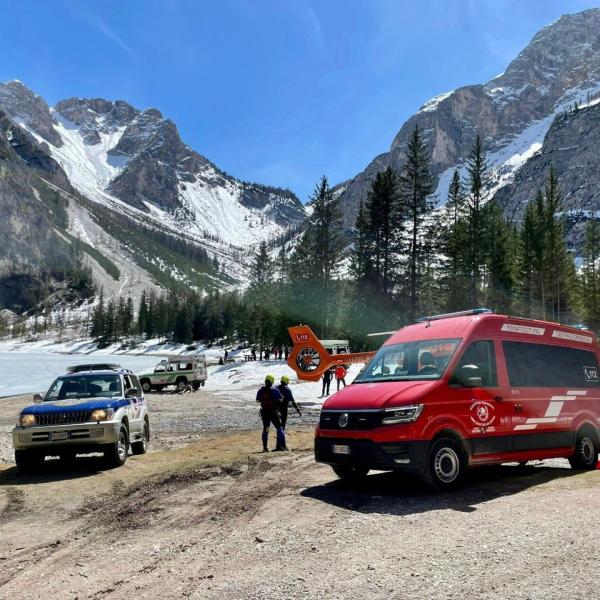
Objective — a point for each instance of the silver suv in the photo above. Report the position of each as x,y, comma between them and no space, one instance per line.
93,408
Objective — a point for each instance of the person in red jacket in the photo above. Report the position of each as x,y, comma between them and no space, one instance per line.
340,376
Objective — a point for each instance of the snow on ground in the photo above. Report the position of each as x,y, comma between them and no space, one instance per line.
239,381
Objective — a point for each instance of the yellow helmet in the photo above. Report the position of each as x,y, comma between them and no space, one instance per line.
270,379
285,379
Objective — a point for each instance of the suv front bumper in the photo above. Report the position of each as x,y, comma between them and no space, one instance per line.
48,437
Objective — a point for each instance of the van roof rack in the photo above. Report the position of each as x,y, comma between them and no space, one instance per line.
461,313
93,367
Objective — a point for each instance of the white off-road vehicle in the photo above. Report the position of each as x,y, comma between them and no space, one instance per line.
179,371
93,408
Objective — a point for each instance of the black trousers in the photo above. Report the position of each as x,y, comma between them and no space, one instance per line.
326,386
270,416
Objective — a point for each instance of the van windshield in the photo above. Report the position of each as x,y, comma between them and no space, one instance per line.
426,359
85,386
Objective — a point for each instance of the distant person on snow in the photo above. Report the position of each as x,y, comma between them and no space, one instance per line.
326,382
267,354
288,398
270,400
340,376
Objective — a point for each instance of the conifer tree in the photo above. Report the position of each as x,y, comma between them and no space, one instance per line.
590,284
476,183
415,187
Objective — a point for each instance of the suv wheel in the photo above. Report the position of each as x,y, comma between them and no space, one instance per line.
181,383
196,385
350,472
141,447
446,465
146,386
586,450
116,454
28,461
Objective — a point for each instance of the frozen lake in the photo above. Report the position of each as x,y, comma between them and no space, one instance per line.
32,372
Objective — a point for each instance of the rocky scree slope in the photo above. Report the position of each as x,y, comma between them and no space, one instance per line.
512,112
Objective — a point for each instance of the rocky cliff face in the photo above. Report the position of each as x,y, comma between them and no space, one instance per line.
571,147
512,113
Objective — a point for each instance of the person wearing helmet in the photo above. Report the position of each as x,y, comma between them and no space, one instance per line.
270,400
288,398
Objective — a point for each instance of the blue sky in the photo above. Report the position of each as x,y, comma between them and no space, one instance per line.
274,91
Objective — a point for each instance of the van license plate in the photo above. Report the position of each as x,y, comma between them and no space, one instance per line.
59,435
341,449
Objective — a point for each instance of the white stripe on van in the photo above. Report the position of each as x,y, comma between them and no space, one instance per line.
555,405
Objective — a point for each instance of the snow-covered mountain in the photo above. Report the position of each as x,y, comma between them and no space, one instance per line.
147,210
113,152
512,112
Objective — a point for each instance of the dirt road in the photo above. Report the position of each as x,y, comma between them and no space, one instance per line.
212,519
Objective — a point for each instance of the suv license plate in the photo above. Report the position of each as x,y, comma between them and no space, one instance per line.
339,449
59,435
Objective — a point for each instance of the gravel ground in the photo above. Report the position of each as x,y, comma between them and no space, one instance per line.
206,516
175,419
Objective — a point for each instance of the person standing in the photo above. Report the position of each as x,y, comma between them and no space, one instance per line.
340,376
288,398
267,354
270,400
326,383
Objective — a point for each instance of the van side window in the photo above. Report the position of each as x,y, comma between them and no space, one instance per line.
541,365
482,355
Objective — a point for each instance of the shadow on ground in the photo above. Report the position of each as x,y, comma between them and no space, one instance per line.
55,470
395,494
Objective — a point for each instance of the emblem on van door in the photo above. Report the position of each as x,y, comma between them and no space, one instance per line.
343,420
482,413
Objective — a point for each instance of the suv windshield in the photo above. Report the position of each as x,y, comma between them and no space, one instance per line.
425,359
85,386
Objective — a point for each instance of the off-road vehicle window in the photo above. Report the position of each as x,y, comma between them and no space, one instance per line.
85,386
541,365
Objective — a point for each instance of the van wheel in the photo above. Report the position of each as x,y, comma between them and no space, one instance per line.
586,450
146,385
181,383
446,465
350,472
115,454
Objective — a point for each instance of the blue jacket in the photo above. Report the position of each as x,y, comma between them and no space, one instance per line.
288,397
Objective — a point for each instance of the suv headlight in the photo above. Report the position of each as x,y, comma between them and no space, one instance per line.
102,414
26,420
403,414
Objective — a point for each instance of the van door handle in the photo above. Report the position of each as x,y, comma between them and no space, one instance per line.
498,398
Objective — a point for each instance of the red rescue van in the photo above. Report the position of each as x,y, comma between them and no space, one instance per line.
473,388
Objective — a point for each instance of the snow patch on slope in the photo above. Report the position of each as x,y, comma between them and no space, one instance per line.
90,168
217,209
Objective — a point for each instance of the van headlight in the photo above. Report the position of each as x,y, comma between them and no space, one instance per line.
404,414
26,420
101,414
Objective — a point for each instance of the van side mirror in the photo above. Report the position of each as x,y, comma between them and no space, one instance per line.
37,399
470,376
131,393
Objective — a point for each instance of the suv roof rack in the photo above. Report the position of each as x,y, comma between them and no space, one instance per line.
460,313
94,367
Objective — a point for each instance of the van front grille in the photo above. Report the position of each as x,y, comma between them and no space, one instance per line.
63,418
357,420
